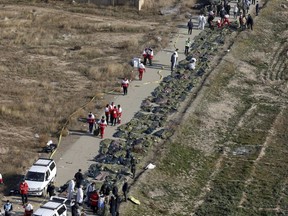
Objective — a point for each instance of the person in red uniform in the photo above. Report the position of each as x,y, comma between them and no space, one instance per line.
23,189
125,84
115,116
94,197
91,122
141,70
119,114
28,209
102,124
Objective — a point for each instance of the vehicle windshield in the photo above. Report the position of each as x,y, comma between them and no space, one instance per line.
35,176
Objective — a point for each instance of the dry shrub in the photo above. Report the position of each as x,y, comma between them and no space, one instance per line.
91,53
157,4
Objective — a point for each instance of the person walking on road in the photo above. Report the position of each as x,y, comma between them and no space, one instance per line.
257,8
8,207
91,122
114,116
148,55
250,22
187,46
190,26
119,114
102,124
141,70
79,178
125,84
23,189
173,61
125,189
70,189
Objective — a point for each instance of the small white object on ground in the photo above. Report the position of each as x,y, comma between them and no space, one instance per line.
150,166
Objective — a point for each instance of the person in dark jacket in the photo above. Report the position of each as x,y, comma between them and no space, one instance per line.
113,206
79,178
257,8
190,27
115,190
250,22
125,189
51,189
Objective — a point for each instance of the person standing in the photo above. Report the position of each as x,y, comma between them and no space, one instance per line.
111,107
91,122
75,209
93,200
148,55
133,170
89,190
253,2
51,189
1,179
250,22
113,206
115,116
107,112
190,26
102,124
79,178
173,61
235,11
200,21
23,189
119,114
80,195
187,46
28,209
8,207
257,8
125,84
70,189
141,70
125,189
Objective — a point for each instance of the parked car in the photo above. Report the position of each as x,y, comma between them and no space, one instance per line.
42,172
55,207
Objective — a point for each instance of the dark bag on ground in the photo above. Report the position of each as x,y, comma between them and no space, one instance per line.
96,131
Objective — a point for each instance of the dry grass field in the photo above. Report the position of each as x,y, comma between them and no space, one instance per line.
55,57
229,155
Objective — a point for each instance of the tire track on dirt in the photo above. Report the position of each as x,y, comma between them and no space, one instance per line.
260,156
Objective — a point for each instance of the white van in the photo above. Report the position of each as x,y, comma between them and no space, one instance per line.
42,172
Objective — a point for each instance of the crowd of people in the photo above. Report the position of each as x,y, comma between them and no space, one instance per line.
102,201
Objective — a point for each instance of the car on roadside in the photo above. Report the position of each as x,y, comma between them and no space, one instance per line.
56,206
40,174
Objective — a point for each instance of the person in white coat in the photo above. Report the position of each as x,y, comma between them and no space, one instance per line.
203,22
200,21
80,195
70,189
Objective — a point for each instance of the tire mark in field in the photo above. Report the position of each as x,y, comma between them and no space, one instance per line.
273,62
260,156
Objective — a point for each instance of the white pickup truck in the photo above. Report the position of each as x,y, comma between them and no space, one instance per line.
42,172
55,207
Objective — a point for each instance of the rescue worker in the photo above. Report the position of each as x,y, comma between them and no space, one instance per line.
119,114
211,17
148,54
187,46
70,189
102,124
125,84
91,122
190,27
8,207
107,112
115,116
141,70
23,189
203,22
89,190
1,179
93,200
226,20
28,209
111,107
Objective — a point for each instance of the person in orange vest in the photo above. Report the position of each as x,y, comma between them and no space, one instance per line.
107,112
119,114
148,54
141,70
125,84
102,124
94,197
23,189
28,209
91,122
114,116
